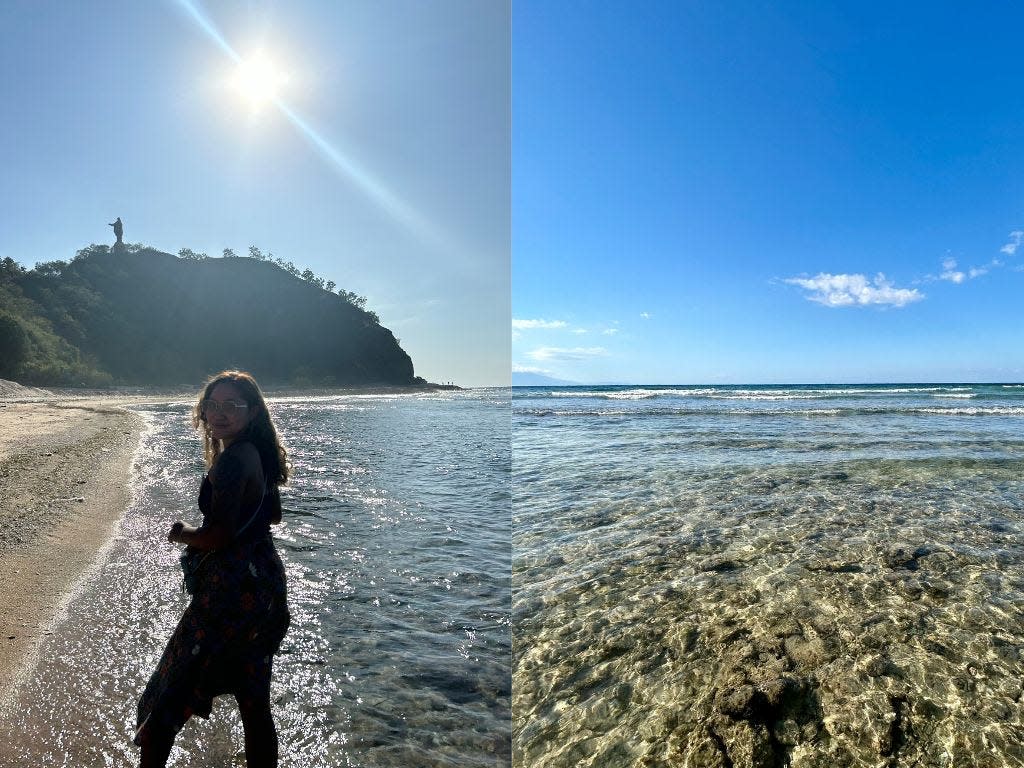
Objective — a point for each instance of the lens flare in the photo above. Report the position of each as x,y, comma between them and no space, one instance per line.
258,80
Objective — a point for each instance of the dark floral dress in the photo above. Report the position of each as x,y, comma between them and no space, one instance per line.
225,641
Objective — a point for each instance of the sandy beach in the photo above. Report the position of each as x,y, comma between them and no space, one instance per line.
65,466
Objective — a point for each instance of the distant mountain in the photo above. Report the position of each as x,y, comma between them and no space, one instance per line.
524,379
135,315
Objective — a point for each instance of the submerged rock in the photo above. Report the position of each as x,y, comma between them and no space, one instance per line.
742,703
720,565
904,557
875,666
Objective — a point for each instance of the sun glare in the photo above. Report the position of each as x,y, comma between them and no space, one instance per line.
258,80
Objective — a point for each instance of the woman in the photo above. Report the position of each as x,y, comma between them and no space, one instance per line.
238,616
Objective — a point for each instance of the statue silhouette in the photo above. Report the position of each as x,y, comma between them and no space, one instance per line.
118,230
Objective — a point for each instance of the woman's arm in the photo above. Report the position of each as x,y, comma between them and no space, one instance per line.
211,537
229,477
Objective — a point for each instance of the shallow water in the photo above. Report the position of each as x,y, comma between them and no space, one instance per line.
804,576
396,545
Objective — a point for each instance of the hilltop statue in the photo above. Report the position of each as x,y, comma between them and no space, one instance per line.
118,230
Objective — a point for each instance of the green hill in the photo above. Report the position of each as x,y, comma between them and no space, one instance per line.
138,316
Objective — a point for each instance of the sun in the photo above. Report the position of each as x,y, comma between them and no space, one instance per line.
258,80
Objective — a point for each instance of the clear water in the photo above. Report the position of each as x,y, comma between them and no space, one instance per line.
396,542
761,576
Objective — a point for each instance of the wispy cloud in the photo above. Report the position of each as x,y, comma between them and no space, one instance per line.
579,330
1015,240
516,368
645,315
566,355
523,325
610,331
854,290
950,272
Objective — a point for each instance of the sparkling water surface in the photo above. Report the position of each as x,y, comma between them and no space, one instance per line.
396,542
768,576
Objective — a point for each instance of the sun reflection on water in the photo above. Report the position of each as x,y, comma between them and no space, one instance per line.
374,670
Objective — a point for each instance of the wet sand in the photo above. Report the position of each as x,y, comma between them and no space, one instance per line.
65,467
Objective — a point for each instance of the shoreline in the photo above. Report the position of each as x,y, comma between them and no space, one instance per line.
66,459
449,672
11,392
65,471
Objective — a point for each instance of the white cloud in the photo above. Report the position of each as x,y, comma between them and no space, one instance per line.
1015,239
949,271
516,368
567,355
954,275
579,330
854,290
610,331
527,324
645,315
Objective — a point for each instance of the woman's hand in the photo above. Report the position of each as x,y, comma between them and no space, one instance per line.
175,532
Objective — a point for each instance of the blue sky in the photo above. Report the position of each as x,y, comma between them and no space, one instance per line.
391,178
787,192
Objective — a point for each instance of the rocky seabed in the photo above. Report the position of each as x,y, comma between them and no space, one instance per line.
883,654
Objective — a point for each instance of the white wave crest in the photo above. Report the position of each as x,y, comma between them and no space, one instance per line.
725,393
638,394
977,411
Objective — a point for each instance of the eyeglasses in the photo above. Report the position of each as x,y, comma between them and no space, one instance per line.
227,407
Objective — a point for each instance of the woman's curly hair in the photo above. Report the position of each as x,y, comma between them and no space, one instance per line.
260,432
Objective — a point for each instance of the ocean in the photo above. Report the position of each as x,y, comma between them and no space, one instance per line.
795,576
396,542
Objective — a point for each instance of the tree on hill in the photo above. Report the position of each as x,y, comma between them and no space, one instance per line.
13,346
